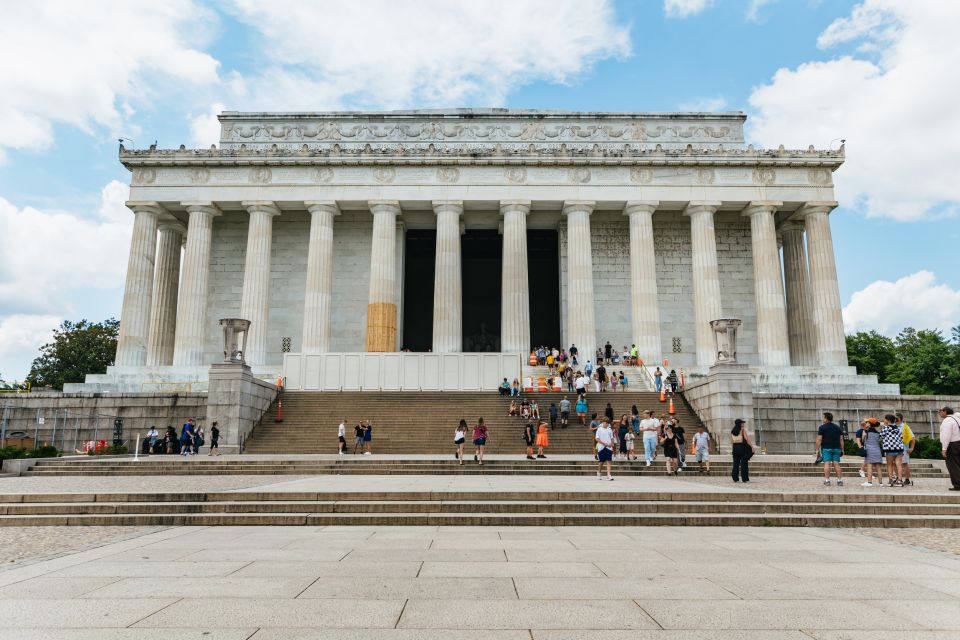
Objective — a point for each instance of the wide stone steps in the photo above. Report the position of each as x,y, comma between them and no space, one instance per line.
371,465
482,508
424,422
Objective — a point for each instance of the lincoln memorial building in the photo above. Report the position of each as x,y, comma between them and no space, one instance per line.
376,249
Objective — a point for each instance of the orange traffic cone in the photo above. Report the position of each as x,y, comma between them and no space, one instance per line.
693,449
670,408
533,359
541,384
279,416
663,397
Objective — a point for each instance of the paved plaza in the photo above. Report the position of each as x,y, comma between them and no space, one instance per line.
500,583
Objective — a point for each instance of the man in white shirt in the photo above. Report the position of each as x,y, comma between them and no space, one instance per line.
649,429
950,444
342,437
604,439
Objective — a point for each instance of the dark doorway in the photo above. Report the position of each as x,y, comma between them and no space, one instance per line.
543,275
481,252
419,267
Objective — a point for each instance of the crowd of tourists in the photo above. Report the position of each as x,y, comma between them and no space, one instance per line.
186,443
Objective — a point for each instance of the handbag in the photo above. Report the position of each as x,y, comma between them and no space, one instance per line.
747,450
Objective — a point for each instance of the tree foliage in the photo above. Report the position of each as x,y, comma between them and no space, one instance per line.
922,362
78,348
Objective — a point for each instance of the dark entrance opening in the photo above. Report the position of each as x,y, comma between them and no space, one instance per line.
481,253
543,274
419,267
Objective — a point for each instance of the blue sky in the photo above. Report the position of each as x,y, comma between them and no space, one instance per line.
805,72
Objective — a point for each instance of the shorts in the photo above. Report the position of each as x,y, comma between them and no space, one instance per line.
703,455
458,442
630,445
358,440
605,455
906,457
564,415
480,441
342,439
892,453
831,455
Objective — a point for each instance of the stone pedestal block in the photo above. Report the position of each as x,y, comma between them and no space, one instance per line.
236,401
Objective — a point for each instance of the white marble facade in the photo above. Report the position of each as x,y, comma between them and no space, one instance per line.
665,221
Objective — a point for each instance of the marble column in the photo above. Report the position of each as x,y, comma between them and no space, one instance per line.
824,289
803,338
447,294
138,292
255,299
706,278
318,294
645,308
166,285
773,343
581,322
515,305
382,306
188,346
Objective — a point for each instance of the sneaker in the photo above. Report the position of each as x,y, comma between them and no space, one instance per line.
367,453
610,478
839,483
867,484
908,482
599,477
862,474
896,483
339,453
680,469
474,457
648,463
826,483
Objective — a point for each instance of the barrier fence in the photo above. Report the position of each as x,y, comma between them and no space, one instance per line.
68,430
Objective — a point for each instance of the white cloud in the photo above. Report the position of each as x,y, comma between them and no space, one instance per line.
684,8
47,254
21,337
78,62
384,54
205,128
912,301
753,11
716,103
894,102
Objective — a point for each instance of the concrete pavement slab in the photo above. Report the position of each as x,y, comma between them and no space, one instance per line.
266,612
828,570
749,587
150,569
525,614
423,588
393,634
59,613
53,587
426,555
230,587
772,614
666,634
509,569
940,615
686,589
101,633
318,569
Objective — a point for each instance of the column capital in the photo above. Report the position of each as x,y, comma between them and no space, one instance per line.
701,206
202,206
448,206
145,206
578,206
792,224
172,225
815,207
268,207
640,206
322,206
384,206
755,207
514,206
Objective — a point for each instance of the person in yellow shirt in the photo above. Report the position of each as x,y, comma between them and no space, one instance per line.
909,442
550,360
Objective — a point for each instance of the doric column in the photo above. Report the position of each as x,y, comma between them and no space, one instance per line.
803,338
447,295
824,289
581,324
166,284
382,307
515,305
138,292
773,345
706,278
645,309
255,300
192,306
318,294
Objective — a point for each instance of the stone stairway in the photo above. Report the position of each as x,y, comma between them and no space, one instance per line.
427,466
636,378
424,422
500,508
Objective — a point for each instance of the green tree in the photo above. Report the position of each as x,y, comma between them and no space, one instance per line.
926,363
871,353
78,348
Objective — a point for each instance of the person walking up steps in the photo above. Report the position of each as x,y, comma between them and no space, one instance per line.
459,436
543,439
479,440
564,412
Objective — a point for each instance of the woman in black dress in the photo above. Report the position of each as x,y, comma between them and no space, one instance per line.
669,442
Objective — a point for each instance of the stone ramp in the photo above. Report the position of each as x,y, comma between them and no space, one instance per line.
483,508
424,422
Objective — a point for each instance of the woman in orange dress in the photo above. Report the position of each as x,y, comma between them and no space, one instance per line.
543,439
